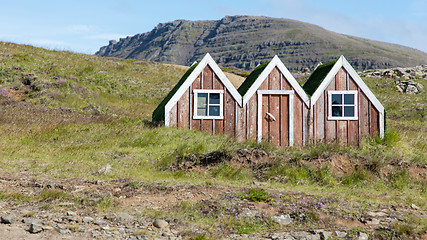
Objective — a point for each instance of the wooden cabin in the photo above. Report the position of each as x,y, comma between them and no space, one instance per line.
203,99
342,108
270,105
275,105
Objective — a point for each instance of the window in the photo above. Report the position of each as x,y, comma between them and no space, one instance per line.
342,105
208,104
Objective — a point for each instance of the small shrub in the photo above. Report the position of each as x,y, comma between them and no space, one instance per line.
404,229
53,195
356,177
104,203
133,185
324,176
391,138
74,228
201,237
256,195
399,179
141,232
29,214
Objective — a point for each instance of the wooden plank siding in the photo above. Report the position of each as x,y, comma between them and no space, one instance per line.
320,118
373,120
363,114
253,111
195,123
218,123
341,85
183,110
344,132
229,114
353,125
173,116
284,120
330,126
182,113
297,111
277,132
207,124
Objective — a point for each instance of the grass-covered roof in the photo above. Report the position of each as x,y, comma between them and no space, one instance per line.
251,79
316,78
159,112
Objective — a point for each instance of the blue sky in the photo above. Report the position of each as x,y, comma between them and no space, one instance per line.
85,26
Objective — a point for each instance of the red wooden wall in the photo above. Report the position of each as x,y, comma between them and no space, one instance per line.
181,115
343,131
272,82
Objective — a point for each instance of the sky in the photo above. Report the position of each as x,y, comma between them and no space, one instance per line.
86,25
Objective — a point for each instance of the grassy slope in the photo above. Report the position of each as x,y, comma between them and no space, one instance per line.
83,112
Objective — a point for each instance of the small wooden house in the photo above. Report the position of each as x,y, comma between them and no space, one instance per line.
203,99
275,105
342,107
270,105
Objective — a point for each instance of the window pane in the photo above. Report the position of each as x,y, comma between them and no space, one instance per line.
348,98
214,98
336,111
202,112
336,98
213,110
202,100
349,111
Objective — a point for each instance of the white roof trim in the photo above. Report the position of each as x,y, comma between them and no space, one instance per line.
342,62
362,85
207,60
326,81
273,63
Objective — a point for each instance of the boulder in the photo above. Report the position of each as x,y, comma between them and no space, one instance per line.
7,219
160,223
87,219
283,219
105,169
35,228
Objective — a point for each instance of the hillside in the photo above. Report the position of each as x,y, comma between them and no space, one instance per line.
80,159
245,41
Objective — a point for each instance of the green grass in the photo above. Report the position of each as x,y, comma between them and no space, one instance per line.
256,195
85,112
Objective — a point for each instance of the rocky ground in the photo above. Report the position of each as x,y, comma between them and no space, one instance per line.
39,208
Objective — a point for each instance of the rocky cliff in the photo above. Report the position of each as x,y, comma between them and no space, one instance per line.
246,41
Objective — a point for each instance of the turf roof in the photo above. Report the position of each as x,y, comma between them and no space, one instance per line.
159,112
316,78
251,79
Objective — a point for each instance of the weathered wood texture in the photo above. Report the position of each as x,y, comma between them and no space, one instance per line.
182,113
277,131
343,131
284,120
298,120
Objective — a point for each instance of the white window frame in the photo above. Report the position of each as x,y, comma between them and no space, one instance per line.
356,115
221,105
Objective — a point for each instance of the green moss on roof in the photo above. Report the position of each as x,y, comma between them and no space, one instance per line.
316,78
159,112
251,79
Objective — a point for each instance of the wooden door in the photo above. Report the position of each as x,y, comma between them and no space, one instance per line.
275,117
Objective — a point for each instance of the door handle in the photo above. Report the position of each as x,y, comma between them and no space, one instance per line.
271,116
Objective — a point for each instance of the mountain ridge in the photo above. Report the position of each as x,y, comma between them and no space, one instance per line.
247,41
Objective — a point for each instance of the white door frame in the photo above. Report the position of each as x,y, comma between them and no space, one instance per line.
291,115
